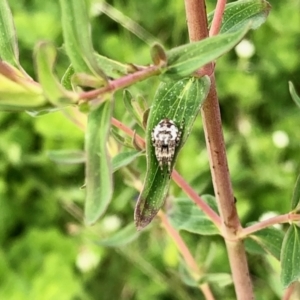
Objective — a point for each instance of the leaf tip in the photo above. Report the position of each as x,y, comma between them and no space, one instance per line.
143,215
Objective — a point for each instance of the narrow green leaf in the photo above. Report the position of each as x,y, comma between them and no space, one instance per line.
99,185
45,54
193,280
125,141
78,156
77,37
221,279
8,40
86,80
112,68
124,158
43,111
186,215
187,277
293,93
296,195
132,106
122,237
67,156
239,13
253,247
186,59
269,239
179,101
290,256
17,92
66,80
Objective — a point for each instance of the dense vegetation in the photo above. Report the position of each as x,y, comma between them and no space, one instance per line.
48,253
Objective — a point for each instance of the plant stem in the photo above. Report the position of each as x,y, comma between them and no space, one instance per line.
198,29
122,82
186,254
266,223
197,199
289,291
217,20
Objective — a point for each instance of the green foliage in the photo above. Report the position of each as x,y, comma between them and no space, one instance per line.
185,215
45,55
8,41
186,59
268,240
46,251
237,14
77,37
98,166
290,256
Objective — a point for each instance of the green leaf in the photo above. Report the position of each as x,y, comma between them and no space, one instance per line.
134,107
158,55
124,158
187,277
122,237
268,239
67,156
83,79
125,141
290,256
293,93
18,92
77,37
8,40
45,54
186,215
66,80
78,156
112,68
221,279
179,101
296,195
99,185
186,59
43,111
237,14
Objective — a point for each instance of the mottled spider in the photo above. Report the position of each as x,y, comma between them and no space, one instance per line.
165,138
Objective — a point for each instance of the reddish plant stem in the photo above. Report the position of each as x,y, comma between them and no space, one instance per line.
186,254
121,82
129,131
217,20
289,291
197,22
287,218
197,199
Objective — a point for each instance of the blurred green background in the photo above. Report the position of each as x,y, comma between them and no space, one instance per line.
46,251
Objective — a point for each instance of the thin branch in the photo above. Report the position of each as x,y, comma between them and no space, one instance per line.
197,199
129,132
122,82
186,254
289,291
287,218
217,20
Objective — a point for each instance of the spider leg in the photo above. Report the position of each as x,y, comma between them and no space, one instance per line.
169,166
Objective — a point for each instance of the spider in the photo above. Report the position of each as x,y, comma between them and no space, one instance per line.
165,138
